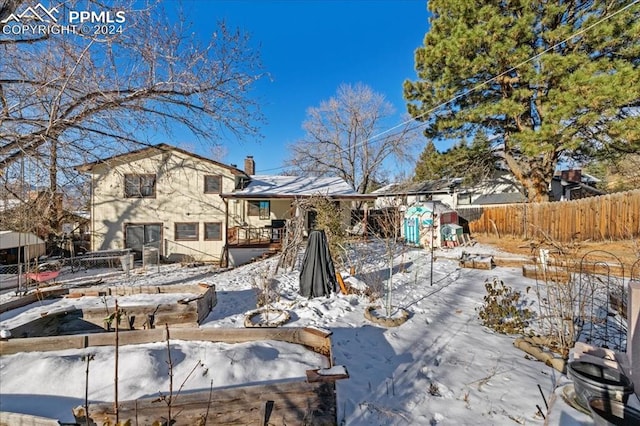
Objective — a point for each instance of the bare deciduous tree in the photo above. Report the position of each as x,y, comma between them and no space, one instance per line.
67,98
346,137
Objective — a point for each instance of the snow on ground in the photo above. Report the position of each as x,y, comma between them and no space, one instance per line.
440,367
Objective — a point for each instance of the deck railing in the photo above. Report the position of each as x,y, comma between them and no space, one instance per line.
253,235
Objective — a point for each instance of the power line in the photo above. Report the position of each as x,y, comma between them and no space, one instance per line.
484,83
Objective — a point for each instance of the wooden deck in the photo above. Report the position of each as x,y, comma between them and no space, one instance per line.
249,236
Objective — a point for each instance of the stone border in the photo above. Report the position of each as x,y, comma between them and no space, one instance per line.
284,318
386,321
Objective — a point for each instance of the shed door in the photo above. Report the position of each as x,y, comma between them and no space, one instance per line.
412,230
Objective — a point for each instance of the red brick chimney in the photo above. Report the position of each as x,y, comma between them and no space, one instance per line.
249,165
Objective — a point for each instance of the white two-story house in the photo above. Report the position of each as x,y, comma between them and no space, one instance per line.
161,197
185,205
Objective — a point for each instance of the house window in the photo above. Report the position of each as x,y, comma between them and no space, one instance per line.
213,231
213,184
186,231
260,208
139,186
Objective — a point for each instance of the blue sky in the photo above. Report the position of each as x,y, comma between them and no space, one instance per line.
310,48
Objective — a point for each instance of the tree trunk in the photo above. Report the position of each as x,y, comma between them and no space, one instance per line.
533,173
54,209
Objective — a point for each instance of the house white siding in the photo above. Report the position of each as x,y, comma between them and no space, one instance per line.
179,198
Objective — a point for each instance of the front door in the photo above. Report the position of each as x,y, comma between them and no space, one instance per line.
138,236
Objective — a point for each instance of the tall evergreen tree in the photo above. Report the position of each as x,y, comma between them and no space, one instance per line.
429,165
469,161
549,80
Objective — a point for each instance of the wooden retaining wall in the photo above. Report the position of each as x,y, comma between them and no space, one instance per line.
314,339
189,311
606,217
291,402
275,404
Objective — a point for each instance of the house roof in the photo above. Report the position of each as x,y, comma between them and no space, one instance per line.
591,189
150,150
501,198
418,188
275,186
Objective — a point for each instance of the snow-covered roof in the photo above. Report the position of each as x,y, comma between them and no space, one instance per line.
275,186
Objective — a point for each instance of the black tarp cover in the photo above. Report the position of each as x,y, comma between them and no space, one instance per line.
317,274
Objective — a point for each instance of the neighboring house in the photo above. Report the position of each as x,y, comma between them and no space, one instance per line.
183,204
465,200
411,193
501,188
34,215
572,185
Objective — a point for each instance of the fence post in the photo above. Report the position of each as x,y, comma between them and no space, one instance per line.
144,258
20,278
633,333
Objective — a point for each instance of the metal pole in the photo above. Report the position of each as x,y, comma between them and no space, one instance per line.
115,404
433,225
22,194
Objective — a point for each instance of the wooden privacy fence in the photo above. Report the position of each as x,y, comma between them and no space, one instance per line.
606,217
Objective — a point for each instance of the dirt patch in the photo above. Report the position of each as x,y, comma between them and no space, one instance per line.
628,251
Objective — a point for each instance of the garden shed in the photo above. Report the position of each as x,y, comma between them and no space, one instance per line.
422,223
19,246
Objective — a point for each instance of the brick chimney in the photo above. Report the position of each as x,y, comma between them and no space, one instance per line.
249,165
572,175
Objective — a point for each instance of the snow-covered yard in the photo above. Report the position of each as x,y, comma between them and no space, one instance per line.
441,366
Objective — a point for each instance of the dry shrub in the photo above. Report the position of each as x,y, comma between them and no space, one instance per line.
502,310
